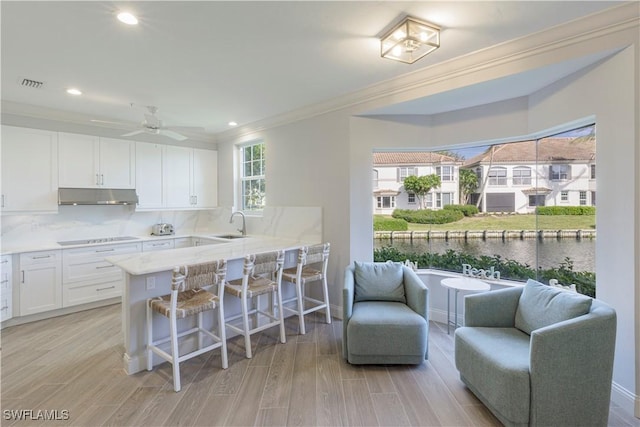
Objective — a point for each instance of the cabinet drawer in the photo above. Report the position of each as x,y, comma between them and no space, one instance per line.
82,293
157,245
5,307
43,257
99,252
182,242
76,270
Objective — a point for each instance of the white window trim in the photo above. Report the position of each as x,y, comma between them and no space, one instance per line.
240,177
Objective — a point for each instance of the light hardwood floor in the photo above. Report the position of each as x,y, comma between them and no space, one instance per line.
73,363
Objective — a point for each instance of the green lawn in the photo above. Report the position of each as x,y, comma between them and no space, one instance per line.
515,222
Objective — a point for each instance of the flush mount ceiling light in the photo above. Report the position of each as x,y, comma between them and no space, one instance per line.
233,123
410,40
127,18
74,91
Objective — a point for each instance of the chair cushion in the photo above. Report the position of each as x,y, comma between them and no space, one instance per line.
495,362
386,328
379,281
541,305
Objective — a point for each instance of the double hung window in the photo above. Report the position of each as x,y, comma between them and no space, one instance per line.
252,179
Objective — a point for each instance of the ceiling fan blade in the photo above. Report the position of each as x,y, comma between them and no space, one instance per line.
135,132
110,123
186,128
172,134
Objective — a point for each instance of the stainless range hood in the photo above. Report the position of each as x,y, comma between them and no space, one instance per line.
96,196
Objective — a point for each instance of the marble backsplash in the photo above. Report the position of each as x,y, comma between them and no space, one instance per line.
90,222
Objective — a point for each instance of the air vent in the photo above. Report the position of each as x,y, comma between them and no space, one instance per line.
35,84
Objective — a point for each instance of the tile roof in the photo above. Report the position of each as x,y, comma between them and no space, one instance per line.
411,158
548,150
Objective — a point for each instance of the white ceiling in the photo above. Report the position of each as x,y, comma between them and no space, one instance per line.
206,63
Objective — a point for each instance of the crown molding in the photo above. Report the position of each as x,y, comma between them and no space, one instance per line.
527,51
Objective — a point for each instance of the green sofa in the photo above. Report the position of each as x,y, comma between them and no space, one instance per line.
538,356
385,315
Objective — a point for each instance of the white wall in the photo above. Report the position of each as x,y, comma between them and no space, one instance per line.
326,160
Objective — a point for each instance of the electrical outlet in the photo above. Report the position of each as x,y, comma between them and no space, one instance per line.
151,283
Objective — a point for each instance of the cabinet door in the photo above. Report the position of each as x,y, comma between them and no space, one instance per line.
29,170
117,163
40,282
149,177
205,178
177,176
6,288
79,160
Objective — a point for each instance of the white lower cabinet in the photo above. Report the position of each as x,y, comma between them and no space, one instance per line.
87,277
40,282
182,242
6,288
157,245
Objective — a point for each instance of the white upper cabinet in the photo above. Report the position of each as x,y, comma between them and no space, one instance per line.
149,176
29,170
170,177
177,176
88,161
204,188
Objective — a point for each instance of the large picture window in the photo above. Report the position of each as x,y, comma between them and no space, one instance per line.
252,179
521,211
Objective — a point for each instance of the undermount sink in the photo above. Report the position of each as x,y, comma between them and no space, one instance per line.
230,236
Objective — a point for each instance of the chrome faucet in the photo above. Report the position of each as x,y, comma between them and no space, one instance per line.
242,230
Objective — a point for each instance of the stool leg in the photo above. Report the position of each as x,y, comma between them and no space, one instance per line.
223,337
245,323
283,335
175,355
200,334
300,293
325,291
149,337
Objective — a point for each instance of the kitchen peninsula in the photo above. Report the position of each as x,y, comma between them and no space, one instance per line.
149,274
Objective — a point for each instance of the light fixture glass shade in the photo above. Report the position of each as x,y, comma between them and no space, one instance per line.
410,40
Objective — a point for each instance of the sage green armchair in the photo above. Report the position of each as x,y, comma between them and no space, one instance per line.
538,356
385,315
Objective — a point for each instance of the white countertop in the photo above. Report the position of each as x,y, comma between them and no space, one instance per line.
156,261
51,245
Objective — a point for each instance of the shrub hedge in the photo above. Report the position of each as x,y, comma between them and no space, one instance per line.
451,260
467,210
428,216
381,223
566,210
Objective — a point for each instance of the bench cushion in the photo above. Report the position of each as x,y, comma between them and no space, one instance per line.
384,328
496,362
541,305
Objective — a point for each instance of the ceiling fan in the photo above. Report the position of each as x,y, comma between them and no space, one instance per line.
153,125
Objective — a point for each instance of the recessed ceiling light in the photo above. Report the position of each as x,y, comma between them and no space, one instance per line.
233,123
127,18
74,91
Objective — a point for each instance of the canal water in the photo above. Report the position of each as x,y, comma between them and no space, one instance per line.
546,253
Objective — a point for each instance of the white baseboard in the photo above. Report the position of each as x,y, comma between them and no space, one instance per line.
625,399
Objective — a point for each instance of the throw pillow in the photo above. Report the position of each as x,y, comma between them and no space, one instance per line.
379,281
541,305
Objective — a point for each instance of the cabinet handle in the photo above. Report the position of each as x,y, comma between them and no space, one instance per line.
195,200
97,179
41,257
105,250
22,280
101,179
104,266
4,308
4,261
5,281
104,289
